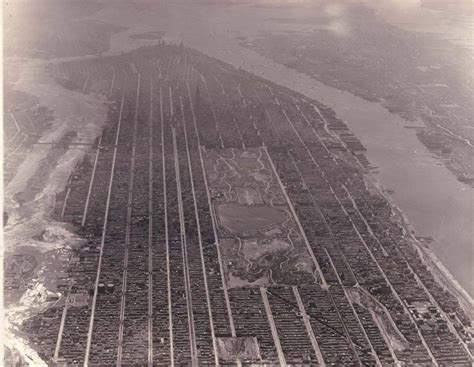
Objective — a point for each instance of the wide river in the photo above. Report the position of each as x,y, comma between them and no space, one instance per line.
427,193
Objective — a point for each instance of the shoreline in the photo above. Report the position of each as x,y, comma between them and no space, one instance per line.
428,257
73,112
358,113
435,266
440,272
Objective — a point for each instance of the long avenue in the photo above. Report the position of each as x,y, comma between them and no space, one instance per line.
152,285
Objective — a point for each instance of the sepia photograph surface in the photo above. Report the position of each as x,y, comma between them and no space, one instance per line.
237,183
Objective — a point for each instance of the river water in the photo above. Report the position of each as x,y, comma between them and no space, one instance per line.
427,193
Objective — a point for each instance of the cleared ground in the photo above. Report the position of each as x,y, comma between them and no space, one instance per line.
246,348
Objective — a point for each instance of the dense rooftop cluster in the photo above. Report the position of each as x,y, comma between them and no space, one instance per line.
149,287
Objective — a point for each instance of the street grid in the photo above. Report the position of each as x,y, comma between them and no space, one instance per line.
150,288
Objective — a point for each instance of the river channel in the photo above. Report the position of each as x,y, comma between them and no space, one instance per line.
428,194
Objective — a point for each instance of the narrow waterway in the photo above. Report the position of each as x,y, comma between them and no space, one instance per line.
428,194
434,201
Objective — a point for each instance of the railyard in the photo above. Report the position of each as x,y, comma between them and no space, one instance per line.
160,280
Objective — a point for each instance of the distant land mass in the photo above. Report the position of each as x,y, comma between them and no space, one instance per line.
259,182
